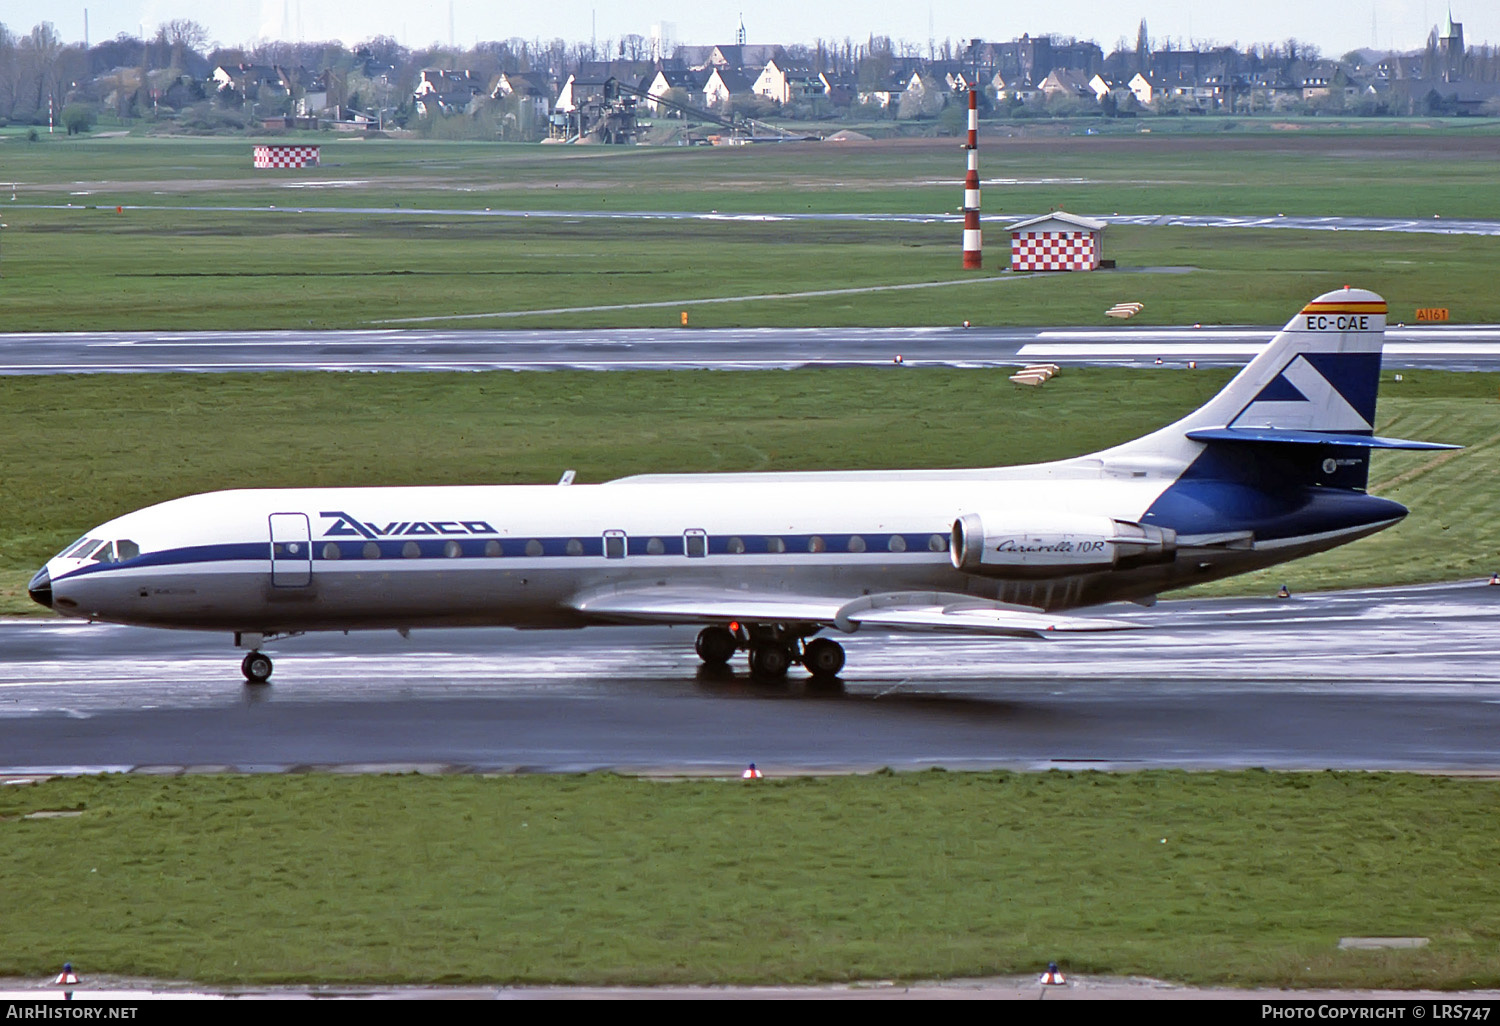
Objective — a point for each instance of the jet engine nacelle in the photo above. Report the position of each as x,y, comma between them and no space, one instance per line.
1055,545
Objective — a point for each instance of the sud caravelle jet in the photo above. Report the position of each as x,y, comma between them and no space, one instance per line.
1272,468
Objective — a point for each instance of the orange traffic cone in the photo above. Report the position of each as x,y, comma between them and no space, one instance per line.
1495,578
751,773
1053,977
67,975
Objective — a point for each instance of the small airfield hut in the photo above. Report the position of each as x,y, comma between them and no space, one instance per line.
275,155
1056,242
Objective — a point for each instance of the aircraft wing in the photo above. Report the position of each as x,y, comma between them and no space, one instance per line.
913,611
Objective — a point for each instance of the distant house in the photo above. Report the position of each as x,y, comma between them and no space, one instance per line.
433,80
925,94
535,97
787,83
601,80
840,89
1145,90
1065,82
882,93
725,85
251,80
689,83
1014,88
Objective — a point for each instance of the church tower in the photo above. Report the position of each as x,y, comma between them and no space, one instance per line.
1451,49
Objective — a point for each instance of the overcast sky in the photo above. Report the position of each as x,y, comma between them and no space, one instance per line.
1335,27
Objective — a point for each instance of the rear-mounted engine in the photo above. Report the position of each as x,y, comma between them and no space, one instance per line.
1055,545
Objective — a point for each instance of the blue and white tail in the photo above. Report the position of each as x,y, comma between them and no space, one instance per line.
1305,404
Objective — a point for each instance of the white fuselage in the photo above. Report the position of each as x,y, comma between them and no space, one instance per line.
531,555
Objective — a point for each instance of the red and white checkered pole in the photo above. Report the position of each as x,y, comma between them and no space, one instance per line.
971,189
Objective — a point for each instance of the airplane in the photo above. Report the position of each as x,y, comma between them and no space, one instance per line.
1274,467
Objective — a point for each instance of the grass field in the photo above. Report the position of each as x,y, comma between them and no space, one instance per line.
80,450
87,267
1245,879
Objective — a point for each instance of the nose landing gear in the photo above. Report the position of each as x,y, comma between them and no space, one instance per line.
256,668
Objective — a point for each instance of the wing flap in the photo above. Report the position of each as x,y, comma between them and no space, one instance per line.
1000,622
915,611
695,605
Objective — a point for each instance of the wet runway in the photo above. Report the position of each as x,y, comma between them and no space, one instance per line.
1449,347
1404,678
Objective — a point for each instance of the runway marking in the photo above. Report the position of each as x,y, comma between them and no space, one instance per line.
720,299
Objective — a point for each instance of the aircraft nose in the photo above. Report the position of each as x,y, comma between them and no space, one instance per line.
40,588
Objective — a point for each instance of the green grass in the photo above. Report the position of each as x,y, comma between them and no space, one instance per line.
1244,879
1262,172
87,267
80,450
96,270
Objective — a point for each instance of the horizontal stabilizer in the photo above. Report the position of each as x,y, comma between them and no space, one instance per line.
1291,436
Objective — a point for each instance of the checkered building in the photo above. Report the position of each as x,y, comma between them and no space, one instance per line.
286,156
1056,242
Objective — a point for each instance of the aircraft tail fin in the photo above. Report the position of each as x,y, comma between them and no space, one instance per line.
1303,409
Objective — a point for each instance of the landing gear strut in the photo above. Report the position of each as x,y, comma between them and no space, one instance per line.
256,668
772,649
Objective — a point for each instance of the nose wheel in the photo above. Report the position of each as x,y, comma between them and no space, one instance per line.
256,668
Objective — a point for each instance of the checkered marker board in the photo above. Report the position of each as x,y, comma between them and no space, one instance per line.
286,156
1053,251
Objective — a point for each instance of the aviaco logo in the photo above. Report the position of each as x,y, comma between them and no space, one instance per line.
346,526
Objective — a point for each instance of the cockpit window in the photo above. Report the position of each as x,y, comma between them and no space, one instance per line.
102,551
79,547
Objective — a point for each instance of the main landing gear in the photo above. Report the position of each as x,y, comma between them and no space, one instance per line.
772,650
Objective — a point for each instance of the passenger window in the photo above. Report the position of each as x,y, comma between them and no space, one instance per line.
775,545
411,550
937,543
452,549
331,551
856,543
371,550
574,547
695,543
897,544
533,548
127,549
655,547
492,548
614,544
816,544
734,546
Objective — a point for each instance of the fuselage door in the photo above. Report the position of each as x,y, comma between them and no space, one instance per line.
614,544
291,550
